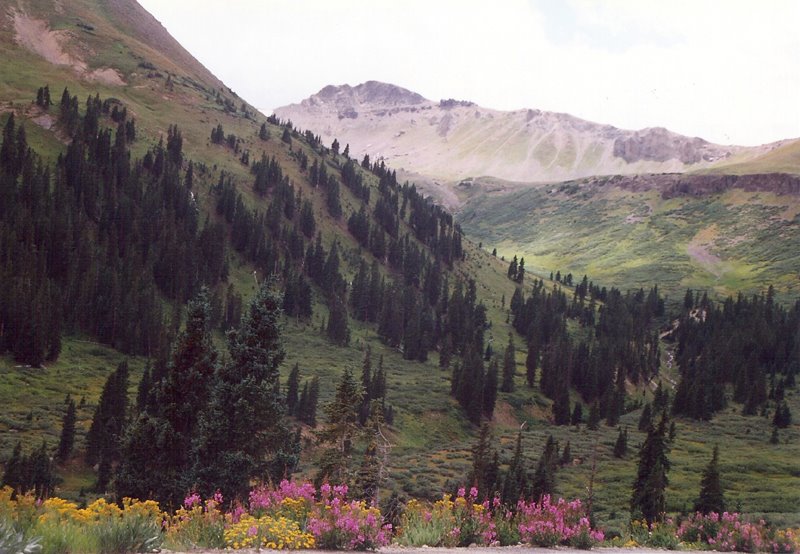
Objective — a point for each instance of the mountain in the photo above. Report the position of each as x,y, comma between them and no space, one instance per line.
452,140
140,177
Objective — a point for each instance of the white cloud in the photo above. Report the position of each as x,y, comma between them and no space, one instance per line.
726,71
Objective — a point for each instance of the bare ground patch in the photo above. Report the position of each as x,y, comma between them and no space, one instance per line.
36,36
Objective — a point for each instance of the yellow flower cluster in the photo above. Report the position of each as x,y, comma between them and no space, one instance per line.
294,508
267,532
23,509
58,510
147,509
7,506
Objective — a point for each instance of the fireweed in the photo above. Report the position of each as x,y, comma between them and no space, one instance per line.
727,532
546,524
342,525
289,516
197,524
463,521
296,515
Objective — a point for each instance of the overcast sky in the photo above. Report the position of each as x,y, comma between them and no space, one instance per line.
724,70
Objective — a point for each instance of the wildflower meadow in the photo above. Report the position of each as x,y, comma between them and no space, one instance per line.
297,515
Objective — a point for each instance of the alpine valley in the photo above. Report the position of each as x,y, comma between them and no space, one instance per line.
373,288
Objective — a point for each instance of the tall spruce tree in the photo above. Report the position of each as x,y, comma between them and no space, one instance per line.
67,440
648,500
108,421
509,366
292,390
338,330
242,433
544,478
156,456
712,498
14,474
483,474
340,431
621,446
490,389
515,484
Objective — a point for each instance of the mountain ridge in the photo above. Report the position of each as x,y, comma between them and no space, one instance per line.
452,140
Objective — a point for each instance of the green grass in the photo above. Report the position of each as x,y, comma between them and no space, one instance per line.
632,240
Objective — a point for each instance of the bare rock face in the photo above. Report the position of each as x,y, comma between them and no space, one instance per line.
659,145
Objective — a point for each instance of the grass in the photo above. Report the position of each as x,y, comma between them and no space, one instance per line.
637,239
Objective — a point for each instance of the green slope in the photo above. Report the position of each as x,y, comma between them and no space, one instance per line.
431,437
724,242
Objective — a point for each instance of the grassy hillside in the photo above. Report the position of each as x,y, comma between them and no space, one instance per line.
724,242
431,438
782,158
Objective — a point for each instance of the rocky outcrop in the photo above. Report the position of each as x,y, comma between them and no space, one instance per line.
674,185
659,145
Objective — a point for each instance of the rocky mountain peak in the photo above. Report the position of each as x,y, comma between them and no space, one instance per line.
371,93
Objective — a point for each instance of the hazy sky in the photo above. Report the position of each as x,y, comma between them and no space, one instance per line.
724,70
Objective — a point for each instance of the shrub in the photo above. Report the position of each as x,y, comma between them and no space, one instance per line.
546,524
197,524
727,533
14,540
447,522
267,532
341,525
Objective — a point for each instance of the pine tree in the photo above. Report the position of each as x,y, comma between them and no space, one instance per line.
143,390
577,414
368,386
482,455
42,479
783,416
712,498
67,440
515,484
310,410
774,438
242,433
531,360
566,455
338,330
490,389
509,366
594,416
156,449
108,421
648,500
561,413
544,478
469,385
340,431
14,475
292,387
646,418
621,446
512,269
